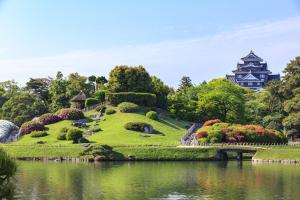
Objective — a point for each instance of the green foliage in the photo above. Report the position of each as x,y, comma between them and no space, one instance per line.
58,90
22,107
100,95
101,107
152,115
96,129
77,84
62,136
185,83
39,87
90,102
223,100
8,169
74,134
64,130
36,134
128,107
161,91
129,79
136,126
110,111
143,99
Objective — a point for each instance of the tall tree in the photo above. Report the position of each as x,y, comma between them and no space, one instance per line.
223,100
100,81
185,83
129,79
58,90
76,84
161,91
39,87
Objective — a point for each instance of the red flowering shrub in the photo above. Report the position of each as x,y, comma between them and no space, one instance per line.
70,114
214,132
211,122
30,126
49,118
202,134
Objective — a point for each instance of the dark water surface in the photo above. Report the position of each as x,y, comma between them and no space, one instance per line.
157,180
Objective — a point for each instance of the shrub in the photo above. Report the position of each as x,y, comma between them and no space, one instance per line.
96,129
90,102
30,126
48,118
234,133
152,115
100,95
36,134
110,111
62,136
127,107
100,107
64,130
136,126
70,114
83,140
212,122
143,99
74,134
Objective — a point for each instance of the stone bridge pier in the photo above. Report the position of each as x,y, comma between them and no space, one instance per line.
222,154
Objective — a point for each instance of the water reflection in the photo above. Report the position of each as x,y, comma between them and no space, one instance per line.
157,180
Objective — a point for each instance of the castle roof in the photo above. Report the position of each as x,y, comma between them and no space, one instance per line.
250,77
252,57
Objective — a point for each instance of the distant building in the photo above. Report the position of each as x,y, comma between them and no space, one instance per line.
252,72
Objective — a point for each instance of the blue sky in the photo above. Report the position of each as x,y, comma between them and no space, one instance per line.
171,38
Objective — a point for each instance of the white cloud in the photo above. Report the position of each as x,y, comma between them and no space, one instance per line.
201,58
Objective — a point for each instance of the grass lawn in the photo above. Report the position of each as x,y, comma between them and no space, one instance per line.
169,131
279,153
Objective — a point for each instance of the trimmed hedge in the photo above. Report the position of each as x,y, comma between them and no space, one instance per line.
128,107
48,118
152,115
136,126
91,102
30,126
215,131
100,95
62,136
35,134
143,99
110,111
70,114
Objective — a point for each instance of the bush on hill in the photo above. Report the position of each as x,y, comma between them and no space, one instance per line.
101,107
74,134
62,136
30,126
137,126
215,131
100,95
128,107
143,99
91,101
49,118
152,115
110,111
70,114
35,134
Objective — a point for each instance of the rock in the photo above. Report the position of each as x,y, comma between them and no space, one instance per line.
83,140
148,129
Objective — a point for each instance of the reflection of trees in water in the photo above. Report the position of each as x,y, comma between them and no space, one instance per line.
7,170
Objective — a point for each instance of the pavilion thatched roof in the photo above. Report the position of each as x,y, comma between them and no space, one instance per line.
80,97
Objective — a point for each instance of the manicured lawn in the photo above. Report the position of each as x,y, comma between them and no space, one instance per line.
279,153
169,131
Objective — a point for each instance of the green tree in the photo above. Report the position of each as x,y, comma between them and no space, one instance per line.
100,81
58,90
11,88
222,100
22,107
129,79
185,83
161,91
76,84
291,91
39,87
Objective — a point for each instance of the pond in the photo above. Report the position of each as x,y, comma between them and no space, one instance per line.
157,180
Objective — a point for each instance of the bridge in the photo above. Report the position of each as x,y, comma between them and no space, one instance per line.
223,156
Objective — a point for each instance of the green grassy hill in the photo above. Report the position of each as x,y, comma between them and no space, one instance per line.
169,131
